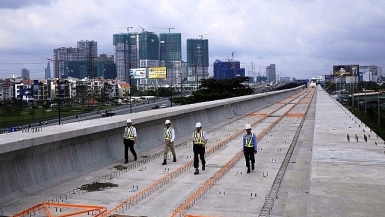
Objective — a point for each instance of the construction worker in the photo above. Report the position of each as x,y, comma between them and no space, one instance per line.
249,147
169,137
199,143
129,140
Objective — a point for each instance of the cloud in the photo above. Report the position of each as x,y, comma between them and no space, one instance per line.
299,36
17,4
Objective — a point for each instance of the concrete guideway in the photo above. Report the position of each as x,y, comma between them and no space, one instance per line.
135,173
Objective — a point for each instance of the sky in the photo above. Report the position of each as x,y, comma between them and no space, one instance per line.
303,38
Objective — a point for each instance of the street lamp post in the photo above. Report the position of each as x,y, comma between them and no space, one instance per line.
171,82
129,78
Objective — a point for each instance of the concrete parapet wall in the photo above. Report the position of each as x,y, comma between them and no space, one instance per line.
32,161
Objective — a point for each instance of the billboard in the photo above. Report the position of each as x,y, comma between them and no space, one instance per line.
157,72
138,73
345,70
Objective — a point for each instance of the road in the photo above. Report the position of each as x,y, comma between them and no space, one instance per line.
124,109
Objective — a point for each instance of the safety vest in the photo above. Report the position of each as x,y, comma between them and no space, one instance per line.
249,142
129,132
198,138
167,134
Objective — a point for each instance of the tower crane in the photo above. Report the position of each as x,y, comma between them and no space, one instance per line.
128,28
201,36
232,55
141,28
169,28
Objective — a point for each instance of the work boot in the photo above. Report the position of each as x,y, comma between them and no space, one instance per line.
126,161
252,166
174,160
196,171
248,169
164,162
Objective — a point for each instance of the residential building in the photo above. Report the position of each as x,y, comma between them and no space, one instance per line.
171,55
85,51
197,59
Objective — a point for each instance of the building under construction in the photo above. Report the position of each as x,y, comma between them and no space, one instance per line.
197,59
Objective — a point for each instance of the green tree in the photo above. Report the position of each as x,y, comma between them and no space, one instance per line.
212,89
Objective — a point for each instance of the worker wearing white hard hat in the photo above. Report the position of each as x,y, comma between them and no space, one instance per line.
199,146
129,140
249,141
169,137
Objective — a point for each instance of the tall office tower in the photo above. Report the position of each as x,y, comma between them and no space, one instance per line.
47,71
60,55
197,59
25,74
270,73
171,55
134,50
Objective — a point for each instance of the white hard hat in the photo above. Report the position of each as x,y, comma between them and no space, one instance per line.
167,122
248,127
198,124
129,121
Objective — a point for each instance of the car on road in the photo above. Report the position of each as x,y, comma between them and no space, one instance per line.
155,107
108,114
163,106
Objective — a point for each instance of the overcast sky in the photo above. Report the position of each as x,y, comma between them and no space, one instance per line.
303,38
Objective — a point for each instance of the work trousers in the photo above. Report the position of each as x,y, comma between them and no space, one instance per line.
168,145
128,143
199,149
249,156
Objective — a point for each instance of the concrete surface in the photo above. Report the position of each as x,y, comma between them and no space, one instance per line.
326,174
31,162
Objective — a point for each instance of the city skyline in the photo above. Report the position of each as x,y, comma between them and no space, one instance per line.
302,38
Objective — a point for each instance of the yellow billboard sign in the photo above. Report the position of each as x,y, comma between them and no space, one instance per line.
157,72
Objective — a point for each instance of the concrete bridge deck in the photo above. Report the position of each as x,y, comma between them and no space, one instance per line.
326,174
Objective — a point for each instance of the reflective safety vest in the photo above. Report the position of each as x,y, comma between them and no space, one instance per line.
167,134
129,132
249,142
198,138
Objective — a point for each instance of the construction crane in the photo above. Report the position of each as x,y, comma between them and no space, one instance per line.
169,28
128,28
232,55
141,28
201,36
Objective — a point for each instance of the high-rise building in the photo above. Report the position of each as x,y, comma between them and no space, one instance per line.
171,55
197,59
134,50
122,54
47,71
60,55
228,70
270,73
85,51
25,74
